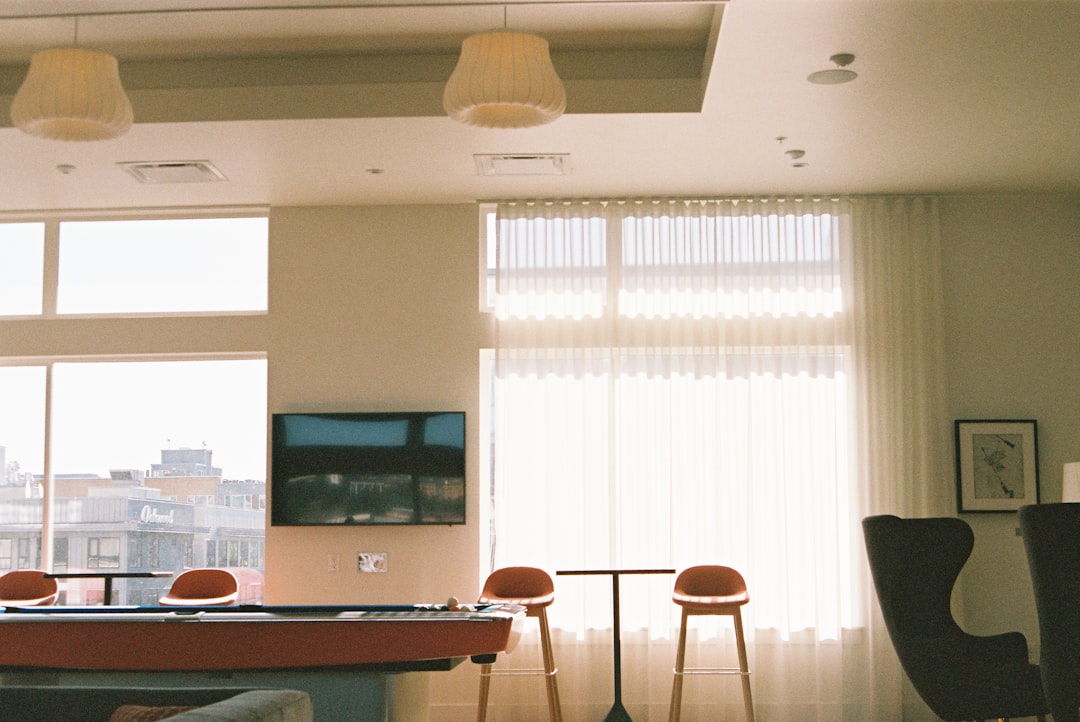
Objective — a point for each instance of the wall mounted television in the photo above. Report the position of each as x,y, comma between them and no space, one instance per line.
367,468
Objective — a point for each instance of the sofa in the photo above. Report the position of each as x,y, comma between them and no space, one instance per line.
25,703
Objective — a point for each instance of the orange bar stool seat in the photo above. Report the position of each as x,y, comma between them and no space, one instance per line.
27,588
713,590
533,589
207,587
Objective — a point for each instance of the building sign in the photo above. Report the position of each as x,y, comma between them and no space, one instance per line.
157,514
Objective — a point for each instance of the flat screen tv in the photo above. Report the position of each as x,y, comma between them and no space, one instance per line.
367,468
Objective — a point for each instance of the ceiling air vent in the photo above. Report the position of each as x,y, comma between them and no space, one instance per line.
523,164
179,171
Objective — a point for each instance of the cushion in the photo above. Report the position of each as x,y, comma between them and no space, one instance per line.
142,713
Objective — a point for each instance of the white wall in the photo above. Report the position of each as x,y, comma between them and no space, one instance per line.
376,308
1012,319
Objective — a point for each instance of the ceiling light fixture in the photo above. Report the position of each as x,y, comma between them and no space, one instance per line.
504,79
72,94
837,75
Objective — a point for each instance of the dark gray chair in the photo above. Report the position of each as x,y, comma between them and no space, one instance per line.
1052,541
960,676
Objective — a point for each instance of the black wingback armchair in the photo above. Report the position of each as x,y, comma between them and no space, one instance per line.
960,676
1052,541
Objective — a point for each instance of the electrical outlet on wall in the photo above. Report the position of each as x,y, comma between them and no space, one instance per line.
371,561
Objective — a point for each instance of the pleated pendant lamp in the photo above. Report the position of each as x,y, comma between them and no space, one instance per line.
504,79
72,94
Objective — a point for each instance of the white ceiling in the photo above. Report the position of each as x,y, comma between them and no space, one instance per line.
296,105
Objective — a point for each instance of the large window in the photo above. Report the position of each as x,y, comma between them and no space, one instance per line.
672,386
728,382
118,461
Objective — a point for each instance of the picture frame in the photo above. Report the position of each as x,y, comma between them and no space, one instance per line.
997,465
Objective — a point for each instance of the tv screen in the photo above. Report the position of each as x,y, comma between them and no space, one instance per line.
367,468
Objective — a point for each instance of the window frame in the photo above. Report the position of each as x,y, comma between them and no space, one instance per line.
51,266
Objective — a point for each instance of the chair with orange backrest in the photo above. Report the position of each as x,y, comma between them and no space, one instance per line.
207,587
710,590
27,588
533,589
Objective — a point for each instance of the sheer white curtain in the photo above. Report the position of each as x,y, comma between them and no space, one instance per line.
732,382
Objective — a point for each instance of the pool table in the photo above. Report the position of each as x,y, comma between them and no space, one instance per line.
380,638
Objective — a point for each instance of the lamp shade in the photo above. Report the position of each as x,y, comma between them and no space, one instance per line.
72,94
1070,482
504,79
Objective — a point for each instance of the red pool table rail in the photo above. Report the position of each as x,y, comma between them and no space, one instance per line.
251,638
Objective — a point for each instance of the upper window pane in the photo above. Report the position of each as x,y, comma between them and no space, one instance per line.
550,265
678,260
22,253
726,265
195,265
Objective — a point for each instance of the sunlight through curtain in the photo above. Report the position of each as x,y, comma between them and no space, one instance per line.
685,382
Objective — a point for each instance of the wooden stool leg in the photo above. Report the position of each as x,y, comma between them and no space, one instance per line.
485,685
676,685
554,708
744,667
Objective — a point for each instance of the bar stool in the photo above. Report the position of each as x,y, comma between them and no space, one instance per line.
533,589
27,588
716,590
205,587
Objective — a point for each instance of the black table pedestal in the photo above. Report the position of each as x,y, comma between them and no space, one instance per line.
617,713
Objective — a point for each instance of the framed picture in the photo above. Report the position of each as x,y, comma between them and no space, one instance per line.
997,467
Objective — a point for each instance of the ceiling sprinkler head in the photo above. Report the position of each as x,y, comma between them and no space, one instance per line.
837,75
